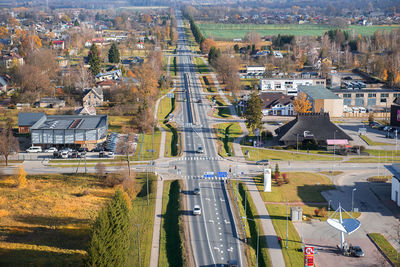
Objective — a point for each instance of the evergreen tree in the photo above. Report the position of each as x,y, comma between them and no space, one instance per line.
236,48
94,60
110,236
76,23
113,54
253,113
213,55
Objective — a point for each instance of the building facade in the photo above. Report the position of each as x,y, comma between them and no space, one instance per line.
368,98
323,100
287,86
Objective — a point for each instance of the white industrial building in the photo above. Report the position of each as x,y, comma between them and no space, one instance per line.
396,184
288,86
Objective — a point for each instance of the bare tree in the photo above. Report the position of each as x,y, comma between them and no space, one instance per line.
9,144
253,38
84,78
125,146
100,170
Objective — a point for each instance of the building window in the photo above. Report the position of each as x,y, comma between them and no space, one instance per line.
383,100
371,102
396,94
384,95
346,95
371,95
359,95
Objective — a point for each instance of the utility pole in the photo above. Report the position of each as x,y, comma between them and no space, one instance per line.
287,222
147,183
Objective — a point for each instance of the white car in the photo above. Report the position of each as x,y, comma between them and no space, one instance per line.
64,154
34,149
196,210
51,150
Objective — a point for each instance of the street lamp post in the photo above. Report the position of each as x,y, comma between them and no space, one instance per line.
352,200
258,235
297,142
287,222
329,206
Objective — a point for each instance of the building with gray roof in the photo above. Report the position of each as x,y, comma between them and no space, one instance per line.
323,99
69,130
27,119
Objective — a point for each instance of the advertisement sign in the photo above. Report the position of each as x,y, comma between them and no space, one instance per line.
308,256
267,180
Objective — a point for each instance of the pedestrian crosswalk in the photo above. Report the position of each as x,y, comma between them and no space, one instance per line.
195,177
200,158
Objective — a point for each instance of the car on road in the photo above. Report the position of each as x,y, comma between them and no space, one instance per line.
73,154
199,100
34,149
263,162
196,191
279,123
356,251
51,150
233,263
196,210
200,149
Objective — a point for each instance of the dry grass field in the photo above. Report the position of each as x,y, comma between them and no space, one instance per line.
47,223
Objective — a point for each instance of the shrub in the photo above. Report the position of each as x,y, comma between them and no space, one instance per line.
323,212
100,170
20,177
112,180
316,212
285,178
277,169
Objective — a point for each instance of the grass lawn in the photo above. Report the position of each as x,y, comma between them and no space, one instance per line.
221,110
373,160
383,153
386,247
143,152
373,143
227,132
251,227
262,153
302,187
116,123
171,247
167,106
48,222
232,31
143,214
331,173
202,68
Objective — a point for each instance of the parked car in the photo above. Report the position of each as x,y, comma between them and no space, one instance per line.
233,263
200,149
356,251
196,191
196,210
51,150
102,154
34,149
73,154
263,162
57,154
64,154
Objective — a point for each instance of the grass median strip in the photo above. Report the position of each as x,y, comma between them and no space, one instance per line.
248,210
263,153
387,248
370,142
171,248
226,133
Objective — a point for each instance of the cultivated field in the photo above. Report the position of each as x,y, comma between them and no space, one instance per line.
232,31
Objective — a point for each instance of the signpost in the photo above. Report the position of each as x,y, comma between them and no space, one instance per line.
222,174
171,95
308,256
209,175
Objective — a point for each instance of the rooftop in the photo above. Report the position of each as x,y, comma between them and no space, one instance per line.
317,92
70,122
29,118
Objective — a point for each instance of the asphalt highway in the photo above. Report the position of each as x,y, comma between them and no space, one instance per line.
213,234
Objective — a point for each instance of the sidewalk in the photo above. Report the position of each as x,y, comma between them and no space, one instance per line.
271,238
155,244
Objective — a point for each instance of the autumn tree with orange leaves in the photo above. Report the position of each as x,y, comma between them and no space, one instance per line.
206,45
301,104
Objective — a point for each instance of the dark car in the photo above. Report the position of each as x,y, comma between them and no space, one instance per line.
73,154
57,154
356,251
196,191
102,154
263,162
97,149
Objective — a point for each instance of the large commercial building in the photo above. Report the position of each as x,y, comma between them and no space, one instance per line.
323,100
368,98
69,130
288,86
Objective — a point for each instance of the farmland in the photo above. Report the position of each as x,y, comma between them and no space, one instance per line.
232,31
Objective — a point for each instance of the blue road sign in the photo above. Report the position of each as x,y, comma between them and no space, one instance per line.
209,175
222,174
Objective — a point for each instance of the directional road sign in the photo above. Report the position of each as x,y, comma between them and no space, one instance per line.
170,95
209,175
222,174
